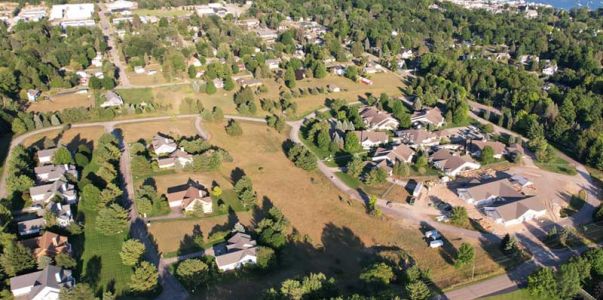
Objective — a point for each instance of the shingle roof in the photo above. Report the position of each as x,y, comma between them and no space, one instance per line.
187,193
433,115
415,136
498,147
518,208
48,244
46,152
373,116
51,276
159,141
373,136
500,188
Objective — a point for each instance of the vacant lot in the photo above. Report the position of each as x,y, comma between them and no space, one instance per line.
57,103
146,130
72,138
340,235
161,12
137,95
163,182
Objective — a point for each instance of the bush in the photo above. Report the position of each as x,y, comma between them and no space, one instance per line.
233,128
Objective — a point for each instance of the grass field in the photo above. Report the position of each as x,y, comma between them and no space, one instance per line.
100,262
136,96
146,130
521,294
557,165
161,12
58,103
339,232
72,138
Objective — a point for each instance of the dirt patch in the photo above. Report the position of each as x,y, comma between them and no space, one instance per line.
57,103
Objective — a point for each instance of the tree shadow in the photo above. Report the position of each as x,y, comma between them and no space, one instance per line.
189,243
93,270
77,141
447,251
259,211
236,174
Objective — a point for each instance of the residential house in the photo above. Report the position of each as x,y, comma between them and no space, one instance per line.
267,34
163,145
97,61
499,149
45,156
399,153
52,173
31,227
418,138
373,68
239,250
48,244
112,99
42,285
244,82
426,116
490,192
180,157
333,88
370,139
189,196
62,213
139,70
42,194
273,64
453,165
32,95
375,119
248,24
218,83
516,212
550,70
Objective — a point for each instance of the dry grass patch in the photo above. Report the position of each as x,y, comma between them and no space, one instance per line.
72,138
60,102
170,234
146,130
163,182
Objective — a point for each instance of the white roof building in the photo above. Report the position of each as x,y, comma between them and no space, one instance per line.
112,99
69,12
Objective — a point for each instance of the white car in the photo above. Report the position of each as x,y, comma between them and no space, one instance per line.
436,244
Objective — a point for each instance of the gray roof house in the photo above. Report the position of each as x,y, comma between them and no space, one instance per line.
61,188
375,119
163,145
45,156
516,212
52,173
490,192
42,285
453,165
240,250
112,99
31,226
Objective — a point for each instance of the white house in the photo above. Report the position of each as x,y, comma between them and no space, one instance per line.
33,14
431,116
188,197
163,145
417,138
369,139
491,192
517,212
52,173
240,250
452,165
41,285
273,64
121,5
46,192
399,153
180,157
112,99
45,156
32,95
375,119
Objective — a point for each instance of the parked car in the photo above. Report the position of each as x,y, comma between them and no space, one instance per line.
436,244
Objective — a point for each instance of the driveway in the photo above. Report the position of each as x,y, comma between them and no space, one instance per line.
107,29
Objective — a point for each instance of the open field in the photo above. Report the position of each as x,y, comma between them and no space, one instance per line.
339,232
146,130
136,96
558,165
72,138
58,103
161,12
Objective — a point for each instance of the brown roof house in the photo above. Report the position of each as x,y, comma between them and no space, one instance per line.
52,173
476,148
417,138
401,153
48,244
239,250
189,196
41,285
426,116
163,145
452,165
516,212
370,139
487,193
375,119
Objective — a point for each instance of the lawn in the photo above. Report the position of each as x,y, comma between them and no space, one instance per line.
557,165
348,180
72,138
99,262
61,102
338,231
521,294
146,130
136,95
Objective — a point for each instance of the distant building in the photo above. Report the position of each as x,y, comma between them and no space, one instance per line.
399,153
178,157
33,14
42,285
490,192
273,64
32,95
417,138
499,149
121,5
248,24
267,34
43,194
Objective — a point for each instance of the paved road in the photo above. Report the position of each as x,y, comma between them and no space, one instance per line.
109,33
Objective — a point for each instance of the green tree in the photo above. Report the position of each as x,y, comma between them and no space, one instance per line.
16,259
131,252
192,273
145,278
354,167
401,169
418,290
379,273
351,143
464,255
542,284
229,84
233,128
192,71
351,72
210,88
290,78
62,156
64,260
80,291
487,155
112,220
320,71
375,176
265,257
459,216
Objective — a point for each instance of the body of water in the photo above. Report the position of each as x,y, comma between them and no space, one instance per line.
569,4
